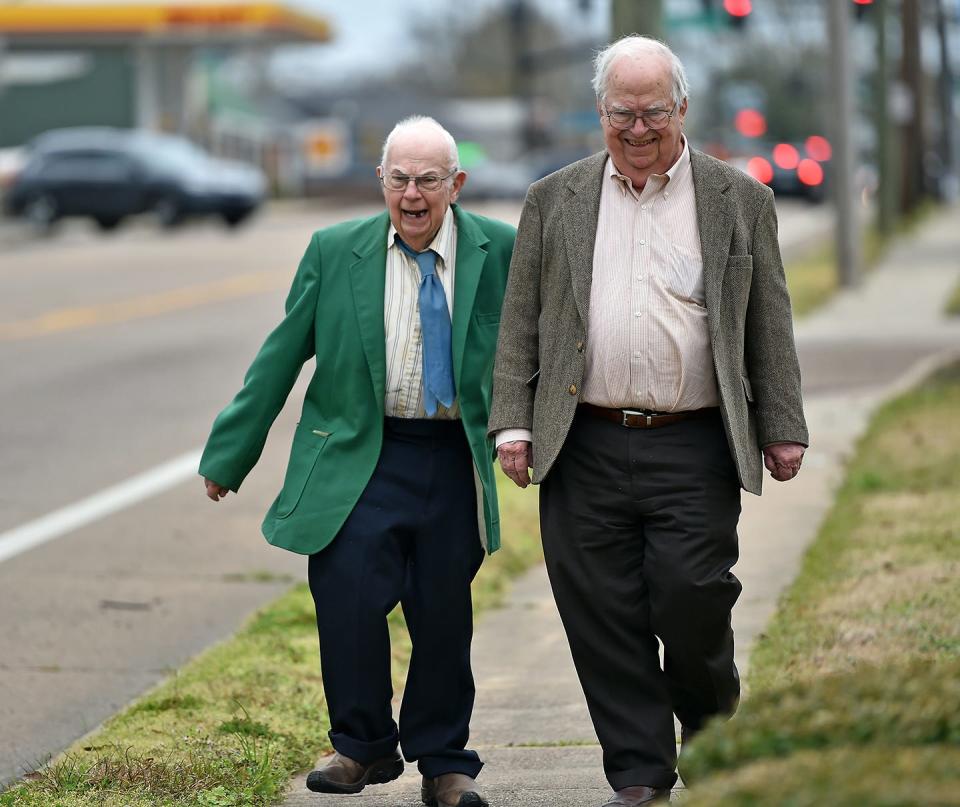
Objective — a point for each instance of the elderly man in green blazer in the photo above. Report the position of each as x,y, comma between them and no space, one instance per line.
646,362
389,488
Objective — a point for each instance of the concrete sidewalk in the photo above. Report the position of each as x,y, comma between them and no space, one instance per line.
530,723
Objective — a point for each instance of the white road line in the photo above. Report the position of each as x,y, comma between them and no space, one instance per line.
60,522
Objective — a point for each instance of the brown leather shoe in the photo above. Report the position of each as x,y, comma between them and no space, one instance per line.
451,790
344,775
639,794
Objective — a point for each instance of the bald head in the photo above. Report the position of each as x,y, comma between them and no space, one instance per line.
421,133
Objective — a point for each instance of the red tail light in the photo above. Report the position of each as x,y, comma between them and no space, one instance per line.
810,173
786,156
760,170
818,148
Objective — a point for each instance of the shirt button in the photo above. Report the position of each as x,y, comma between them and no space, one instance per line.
643,207
573,389
641,277
638,313
637,354
642,242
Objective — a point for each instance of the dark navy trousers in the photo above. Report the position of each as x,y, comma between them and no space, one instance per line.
413,539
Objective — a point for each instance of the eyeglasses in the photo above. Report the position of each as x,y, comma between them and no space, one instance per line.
623,119
427,182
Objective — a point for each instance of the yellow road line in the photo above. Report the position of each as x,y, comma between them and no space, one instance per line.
149,305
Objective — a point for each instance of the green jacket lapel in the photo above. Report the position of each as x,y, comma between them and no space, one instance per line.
368,281
471,256
716,227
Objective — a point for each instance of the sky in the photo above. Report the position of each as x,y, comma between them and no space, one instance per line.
373,35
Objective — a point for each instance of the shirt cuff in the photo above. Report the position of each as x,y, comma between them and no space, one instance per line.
509,435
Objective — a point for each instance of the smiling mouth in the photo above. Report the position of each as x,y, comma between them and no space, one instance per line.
414,214
646,141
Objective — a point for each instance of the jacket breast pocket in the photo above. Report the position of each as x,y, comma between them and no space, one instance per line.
740,262
308,442
490,318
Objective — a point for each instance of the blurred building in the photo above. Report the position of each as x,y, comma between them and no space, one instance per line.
153,66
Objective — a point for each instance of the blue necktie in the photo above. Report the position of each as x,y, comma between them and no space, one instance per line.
438,383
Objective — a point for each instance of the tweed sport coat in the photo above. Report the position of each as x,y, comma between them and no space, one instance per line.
334,312
539,370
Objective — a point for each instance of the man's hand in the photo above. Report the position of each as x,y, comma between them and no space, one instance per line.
215,491
516,457
783,460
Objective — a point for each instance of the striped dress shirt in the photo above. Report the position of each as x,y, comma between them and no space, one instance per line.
648,344
401,321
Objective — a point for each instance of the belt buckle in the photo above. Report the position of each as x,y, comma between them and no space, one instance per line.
642,413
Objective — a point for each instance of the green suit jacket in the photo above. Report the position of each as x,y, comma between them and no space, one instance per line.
335,312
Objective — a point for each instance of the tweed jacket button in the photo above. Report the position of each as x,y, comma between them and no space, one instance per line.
573,389
580,347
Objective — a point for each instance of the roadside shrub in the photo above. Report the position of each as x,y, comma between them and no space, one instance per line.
910,705
842,777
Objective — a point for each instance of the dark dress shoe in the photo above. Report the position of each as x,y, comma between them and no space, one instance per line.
344,775
451,790
639,794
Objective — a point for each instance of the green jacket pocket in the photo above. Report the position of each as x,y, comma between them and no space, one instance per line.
308,442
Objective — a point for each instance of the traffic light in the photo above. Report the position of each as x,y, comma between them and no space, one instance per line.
737,11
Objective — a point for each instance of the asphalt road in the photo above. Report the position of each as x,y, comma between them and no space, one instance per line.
117,351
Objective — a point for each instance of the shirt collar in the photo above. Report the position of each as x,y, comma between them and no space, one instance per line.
674,173
442,242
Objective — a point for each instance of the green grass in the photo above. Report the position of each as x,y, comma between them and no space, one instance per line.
953,304
853,689
237,722
881,580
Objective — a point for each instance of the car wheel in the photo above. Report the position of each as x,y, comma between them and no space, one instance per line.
235,218
106,223
41,211
167,212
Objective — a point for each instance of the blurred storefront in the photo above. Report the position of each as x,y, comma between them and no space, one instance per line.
146,65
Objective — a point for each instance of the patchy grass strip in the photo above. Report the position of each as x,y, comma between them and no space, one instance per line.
953,304
237,722
882,581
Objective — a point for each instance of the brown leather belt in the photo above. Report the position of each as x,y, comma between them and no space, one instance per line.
642,418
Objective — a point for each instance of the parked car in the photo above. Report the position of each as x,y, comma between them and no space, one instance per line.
109,174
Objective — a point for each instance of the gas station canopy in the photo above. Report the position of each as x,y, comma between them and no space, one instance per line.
160,23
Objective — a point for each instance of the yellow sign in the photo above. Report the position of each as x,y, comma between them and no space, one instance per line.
155,18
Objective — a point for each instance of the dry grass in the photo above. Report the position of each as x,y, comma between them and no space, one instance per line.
882,581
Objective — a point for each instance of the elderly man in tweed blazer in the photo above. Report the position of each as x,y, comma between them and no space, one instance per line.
645,365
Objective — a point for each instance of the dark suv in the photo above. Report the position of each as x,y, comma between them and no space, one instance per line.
108,174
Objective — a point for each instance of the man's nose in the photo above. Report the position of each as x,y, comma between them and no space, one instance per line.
639,126
412,191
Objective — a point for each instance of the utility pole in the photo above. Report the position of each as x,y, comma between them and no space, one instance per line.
637,17
948,189
912,135
847,230
887,169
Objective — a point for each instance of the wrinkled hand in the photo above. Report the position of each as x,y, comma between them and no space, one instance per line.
215,491
783,460
516,458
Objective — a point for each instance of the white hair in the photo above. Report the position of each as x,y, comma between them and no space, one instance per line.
639,47
419,122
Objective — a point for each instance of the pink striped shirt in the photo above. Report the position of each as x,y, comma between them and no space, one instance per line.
648,344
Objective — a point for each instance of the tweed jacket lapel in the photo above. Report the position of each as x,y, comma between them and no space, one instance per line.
579,216
471,254
716,228
368,281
